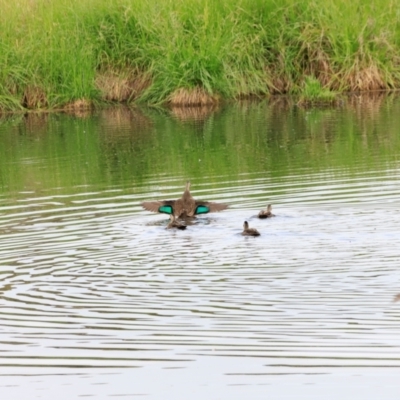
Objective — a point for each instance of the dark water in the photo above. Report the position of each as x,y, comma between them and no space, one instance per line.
98,299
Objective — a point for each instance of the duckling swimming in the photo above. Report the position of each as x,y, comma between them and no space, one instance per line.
184,207
173,223
266,213
249,231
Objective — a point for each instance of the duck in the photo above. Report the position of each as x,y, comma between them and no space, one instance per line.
185,207
266,213
173,223
249,231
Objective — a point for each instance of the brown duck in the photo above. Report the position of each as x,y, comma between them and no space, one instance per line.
249,231
184,207
266,213
173,223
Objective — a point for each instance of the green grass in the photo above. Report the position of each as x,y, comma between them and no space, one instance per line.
230,48
313,93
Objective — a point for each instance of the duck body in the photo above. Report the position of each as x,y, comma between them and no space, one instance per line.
249,231
184,207
267,213
173,223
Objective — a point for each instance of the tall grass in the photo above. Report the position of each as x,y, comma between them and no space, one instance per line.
56,52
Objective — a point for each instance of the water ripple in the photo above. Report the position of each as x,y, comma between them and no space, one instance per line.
94,281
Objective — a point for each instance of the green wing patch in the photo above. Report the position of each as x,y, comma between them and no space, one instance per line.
202,209
166,209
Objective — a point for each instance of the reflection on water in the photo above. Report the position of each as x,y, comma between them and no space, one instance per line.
99,298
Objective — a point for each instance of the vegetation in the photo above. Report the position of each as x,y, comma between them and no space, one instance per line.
74,53
313,93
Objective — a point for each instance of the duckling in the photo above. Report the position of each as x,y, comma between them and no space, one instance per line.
184,207
266,213
249,231
173,223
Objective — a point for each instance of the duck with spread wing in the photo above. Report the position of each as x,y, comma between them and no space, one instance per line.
184,207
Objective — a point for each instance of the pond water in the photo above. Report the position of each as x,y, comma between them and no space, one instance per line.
98,299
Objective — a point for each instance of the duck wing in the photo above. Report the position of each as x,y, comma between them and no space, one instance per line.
204,207
164,206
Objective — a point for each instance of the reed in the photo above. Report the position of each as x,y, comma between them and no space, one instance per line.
54,53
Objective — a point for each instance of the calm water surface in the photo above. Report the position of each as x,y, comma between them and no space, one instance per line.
98,299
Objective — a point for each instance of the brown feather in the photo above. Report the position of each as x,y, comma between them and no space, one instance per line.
214,207
249,231
153,206
266,213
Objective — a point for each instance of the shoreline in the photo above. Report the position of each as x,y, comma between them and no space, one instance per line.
189,100
184,112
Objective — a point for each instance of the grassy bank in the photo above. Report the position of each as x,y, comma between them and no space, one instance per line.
73,53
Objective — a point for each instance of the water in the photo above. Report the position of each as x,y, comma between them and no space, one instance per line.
99,300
